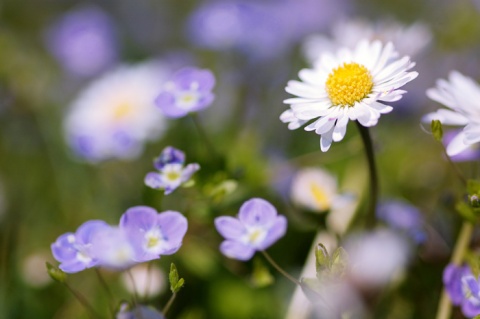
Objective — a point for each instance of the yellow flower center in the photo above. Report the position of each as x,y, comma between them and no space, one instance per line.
320,197
254,235
173,175
348,84
152,241
122,110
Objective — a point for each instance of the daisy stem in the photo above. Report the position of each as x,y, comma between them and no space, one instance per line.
279,269
367,142
445,306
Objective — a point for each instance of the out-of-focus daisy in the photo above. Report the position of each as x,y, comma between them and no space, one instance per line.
189,90
116,114
144,280
461,95
407,39
83,41
171,171
314,189
350,85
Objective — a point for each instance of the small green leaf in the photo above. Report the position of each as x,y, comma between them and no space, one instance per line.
466,211
339,262
437,130
175,283
56,273
322,259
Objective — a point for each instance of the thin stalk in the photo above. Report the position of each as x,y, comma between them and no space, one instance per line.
135,291
454,167
203,134
104,284
445,306
372,169
279,269
147,286
93,313
169,304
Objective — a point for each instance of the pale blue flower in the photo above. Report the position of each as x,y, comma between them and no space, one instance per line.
189,90
153,234
257,227
74,250
463,289
171,171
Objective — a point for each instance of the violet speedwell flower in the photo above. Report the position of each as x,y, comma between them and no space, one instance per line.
348,86
189,90
113,248
153,234
74,250
463,289
257,227
461,95
404,217
83,41
171,172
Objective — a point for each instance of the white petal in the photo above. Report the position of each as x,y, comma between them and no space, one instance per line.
447,117
326,141
457,145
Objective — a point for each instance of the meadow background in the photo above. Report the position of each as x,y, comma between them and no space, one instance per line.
46,190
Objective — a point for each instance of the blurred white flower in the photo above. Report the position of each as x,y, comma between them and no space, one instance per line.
314,189
377,258
148,281
461,95
33,269
116,114
407,39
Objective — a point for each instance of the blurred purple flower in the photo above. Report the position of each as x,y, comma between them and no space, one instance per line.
257,227
403,216
113,249
83,41
190,90
153,234
171,172
463,289
74,251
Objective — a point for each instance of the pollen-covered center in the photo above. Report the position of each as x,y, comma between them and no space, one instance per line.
348,84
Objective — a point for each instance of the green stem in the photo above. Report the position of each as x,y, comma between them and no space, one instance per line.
279,269
372,204
445,306
203,134
169,304
103,283
93,313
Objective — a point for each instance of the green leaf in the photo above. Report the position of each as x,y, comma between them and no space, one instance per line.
339,262
322,259
175,283
437,130
466,211
473,186
56,273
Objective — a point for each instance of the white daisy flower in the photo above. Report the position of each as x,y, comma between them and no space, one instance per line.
347,86
461,95
314,188
407,39
116,114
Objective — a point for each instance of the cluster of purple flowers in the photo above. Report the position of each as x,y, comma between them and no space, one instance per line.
171,172
463,288
143,234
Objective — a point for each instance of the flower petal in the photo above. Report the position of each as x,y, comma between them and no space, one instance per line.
277,230
229,227
236,250
257,212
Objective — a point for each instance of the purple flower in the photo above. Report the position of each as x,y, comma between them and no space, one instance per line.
257,227
463,289
171,172
83,41
403,216
190,90
74,251
113,249
153,234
